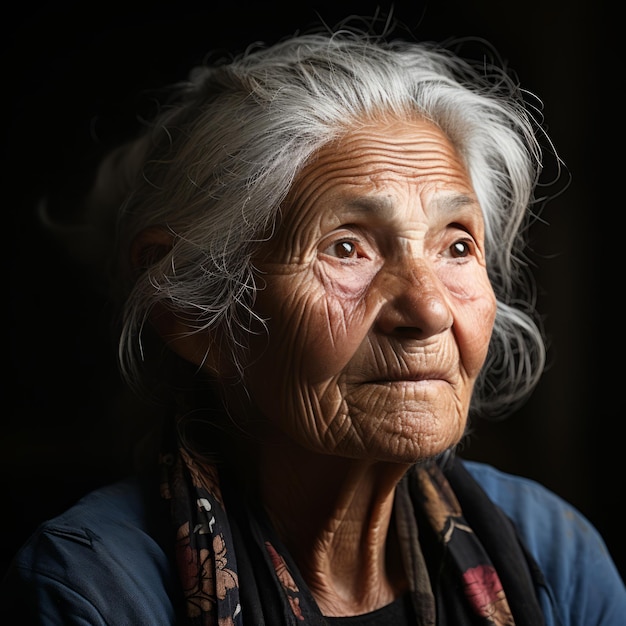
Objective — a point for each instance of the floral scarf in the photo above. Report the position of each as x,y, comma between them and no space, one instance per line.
466,565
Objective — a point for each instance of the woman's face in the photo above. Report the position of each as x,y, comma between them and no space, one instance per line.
377,300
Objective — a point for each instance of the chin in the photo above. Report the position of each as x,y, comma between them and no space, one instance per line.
412,438
403,452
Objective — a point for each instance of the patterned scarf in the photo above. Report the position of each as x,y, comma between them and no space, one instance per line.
466,566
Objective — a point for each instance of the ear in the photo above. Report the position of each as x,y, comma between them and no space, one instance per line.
150,246
197,347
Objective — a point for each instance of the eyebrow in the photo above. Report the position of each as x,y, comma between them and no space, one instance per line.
381,205
455,202
371,204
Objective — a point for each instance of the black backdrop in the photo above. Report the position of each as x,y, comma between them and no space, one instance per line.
72,77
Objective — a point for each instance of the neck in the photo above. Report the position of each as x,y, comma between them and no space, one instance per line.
334,515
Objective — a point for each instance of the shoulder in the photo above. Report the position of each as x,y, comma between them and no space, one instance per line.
584,586
110,544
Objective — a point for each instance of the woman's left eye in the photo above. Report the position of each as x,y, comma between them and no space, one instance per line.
461,248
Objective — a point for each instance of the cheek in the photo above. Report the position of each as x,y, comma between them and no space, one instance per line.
345,311
474,325
293,373
474,306
319,329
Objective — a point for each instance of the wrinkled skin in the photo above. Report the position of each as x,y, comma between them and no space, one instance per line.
379,314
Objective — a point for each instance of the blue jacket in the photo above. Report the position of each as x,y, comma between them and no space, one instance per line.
107,560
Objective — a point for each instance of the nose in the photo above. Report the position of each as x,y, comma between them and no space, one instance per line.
416,305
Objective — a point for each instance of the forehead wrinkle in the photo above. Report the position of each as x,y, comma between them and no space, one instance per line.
376,167
376,174
426,138
308,187
357,147
381,156
365,156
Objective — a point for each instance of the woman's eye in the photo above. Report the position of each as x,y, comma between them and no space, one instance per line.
461,248
344,249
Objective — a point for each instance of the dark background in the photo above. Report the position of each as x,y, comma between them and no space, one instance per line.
73,78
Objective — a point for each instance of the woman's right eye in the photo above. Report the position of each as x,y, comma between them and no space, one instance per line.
343,249
347,244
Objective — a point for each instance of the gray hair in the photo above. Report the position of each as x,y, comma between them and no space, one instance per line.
216,163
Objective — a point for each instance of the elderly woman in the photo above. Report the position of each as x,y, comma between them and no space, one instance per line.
318,259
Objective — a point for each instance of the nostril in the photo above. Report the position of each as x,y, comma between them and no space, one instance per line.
408,330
